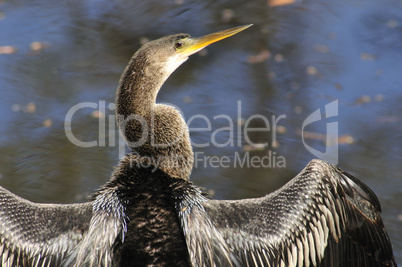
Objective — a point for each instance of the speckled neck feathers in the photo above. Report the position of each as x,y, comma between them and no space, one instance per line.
156,133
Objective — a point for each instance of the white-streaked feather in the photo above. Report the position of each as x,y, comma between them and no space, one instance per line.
289,227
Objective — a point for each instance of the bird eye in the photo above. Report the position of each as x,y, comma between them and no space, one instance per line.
178,45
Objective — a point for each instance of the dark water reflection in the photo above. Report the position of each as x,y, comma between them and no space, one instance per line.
293,61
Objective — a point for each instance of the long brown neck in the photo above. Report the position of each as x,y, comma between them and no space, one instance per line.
138,87
157,132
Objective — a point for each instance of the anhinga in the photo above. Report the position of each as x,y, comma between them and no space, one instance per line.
146,217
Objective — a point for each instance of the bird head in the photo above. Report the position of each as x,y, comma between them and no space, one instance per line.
171,51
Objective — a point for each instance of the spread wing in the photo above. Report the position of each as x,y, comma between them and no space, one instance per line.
322,217
34,234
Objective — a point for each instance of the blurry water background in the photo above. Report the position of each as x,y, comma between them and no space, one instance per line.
296,59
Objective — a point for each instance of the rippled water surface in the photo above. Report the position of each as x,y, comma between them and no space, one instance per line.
297,58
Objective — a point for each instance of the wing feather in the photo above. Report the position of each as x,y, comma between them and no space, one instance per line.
34,234
322,217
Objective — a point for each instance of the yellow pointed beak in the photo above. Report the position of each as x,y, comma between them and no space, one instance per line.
193,45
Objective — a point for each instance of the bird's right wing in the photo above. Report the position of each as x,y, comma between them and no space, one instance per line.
34,234
322,217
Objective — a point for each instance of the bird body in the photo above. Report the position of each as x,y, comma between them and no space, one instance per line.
152,215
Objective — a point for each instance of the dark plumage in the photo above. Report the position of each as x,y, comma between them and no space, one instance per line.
155,216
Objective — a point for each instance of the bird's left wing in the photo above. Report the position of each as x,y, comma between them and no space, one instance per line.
322,217
34,234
